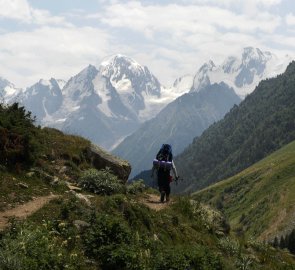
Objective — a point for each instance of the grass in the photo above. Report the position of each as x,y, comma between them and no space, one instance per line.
118,231
254,199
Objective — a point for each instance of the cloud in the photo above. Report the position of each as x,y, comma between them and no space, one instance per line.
230,3
170,39
50,52
15,9
179,19
21,10
290,19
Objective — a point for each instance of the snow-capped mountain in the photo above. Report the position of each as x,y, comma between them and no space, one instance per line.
43,99
134,83
107,103
241,73
8,92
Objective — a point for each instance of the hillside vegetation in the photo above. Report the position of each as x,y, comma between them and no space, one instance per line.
259,201
261,124
98,222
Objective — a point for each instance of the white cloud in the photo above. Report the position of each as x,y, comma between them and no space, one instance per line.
228,3
290,19
22,11
15,9
170,39
184,19
50,52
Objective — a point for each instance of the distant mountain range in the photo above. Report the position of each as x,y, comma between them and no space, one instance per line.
108,103
261,124
241,73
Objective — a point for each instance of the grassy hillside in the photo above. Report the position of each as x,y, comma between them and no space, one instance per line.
102,223
261,124
260,200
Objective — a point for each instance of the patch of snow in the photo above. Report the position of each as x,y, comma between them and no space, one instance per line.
61,120
123,85
61,83
46,83
101,89
10,91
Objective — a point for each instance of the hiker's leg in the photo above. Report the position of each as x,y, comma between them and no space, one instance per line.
167,190
161,185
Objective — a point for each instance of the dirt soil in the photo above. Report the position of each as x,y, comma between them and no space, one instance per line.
24,210
153,201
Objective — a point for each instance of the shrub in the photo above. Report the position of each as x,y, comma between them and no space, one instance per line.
186,257
106,230
101,182
35,248
230,246
18,137
136,187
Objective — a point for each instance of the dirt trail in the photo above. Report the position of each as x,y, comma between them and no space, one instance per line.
153,201
24,210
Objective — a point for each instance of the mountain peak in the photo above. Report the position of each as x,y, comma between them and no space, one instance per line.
209,66
119,59
119,63
4,83
87,73
250,54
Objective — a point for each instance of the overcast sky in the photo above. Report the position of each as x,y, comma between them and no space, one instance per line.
58,38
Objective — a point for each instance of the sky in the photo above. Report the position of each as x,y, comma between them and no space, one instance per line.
58,38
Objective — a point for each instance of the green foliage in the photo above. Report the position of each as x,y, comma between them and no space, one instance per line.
287,241
101,182
36,248
18,137
257,198
109,241
261,124
136,187
230,246
187,257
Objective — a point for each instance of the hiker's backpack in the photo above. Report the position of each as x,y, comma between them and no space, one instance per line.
164,157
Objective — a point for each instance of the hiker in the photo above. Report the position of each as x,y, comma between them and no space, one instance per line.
163,165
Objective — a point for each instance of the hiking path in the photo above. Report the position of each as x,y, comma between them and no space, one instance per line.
24,210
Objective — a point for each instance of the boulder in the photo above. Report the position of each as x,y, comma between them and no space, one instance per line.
101,159
81,224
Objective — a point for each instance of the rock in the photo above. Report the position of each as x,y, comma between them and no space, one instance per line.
45,176
74,188
54,181
101,159
23,185
81,197
30,174
63,169
80,224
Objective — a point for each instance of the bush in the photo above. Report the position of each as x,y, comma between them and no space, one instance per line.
35,248
101,182
136,187
186,257
18,137
106,230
